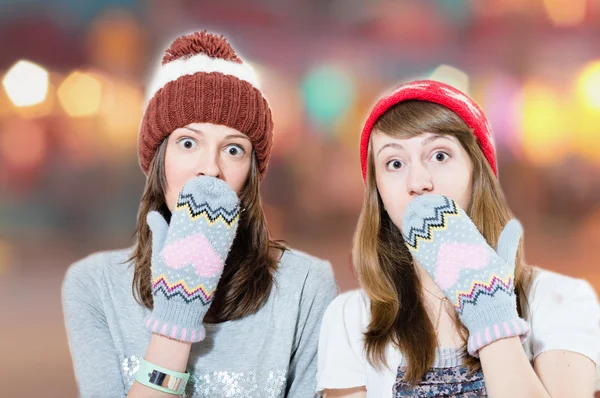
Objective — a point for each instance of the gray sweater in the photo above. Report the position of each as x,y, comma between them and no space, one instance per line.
268,354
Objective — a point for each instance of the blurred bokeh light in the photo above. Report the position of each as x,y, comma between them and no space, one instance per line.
26,83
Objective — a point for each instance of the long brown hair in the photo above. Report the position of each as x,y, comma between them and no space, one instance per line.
248,274
383,262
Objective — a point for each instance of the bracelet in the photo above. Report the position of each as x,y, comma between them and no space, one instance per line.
161,379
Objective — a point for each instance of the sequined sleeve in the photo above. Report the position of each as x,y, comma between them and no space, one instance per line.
95,361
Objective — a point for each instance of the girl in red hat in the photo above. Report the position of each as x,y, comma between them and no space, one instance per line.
206,303
448,306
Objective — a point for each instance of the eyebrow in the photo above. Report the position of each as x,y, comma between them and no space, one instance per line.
434,137
199,132
390,145
426,141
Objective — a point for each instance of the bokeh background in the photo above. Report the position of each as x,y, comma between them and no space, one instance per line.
73,75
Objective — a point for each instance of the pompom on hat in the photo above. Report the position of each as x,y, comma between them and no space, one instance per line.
202,80
439,93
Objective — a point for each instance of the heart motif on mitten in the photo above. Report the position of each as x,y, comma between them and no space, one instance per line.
195,250
454,257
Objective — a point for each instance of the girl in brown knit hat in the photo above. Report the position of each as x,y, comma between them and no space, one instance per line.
205,304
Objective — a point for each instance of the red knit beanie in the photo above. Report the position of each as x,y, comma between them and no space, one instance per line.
202,80
439,93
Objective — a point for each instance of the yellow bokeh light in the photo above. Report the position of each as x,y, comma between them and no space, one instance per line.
544,126
586,118
80,94
588,84
26,83
586,140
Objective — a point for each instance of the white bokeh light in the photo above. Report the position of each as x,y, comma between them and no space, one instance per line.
26,83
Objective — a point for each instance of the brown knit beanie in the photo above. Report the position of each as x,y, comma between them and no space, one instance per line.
202,80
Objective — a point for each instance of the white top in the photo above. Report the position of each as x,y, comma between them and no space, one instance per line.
565,315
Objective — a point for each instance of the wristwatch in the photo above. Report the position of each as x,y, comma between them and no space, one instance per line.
161,379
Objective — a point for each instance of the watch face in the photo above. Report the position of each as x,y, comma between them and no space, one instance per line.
157,377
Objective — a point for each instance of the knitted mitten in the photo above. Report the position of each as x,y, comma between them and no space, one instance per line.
478,280
188,256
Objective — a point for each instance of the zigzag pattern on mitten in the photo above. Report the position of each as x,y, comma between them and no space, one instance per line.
436,222
180,288
196,210
478,288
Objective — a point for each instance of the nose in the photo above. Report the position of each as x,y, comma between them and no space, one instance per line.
208,165
419,180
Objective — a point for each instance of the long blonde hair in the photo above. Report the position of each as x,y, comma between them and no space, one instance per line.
384,265
248,274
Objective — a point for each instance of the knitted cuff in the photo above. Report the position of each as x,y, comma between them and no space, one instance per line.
487,324
178,321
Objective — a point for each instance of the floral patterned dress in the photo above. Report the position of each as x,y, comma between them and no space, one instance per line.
455,381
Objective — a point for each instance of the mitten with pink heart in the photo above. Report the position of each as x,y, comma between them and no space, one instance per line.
478,280
188,256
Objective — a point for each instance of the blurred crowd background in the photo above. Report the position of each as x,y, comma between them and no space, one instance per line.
73,75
